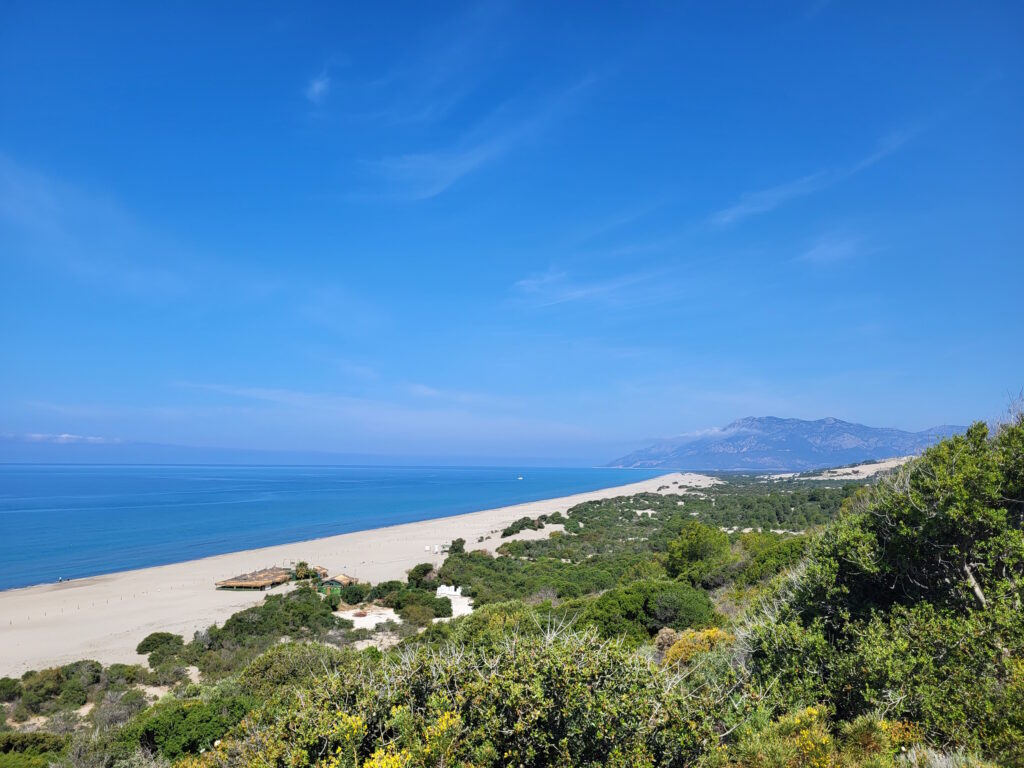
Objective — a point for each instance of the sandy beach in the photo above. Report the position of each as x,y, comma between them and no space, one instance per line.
105,617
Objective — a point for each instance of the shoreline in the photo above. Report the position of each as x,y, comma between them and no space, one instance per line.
104,617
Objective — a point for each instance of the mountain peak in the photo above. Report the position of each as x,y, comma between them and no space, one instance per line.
763,443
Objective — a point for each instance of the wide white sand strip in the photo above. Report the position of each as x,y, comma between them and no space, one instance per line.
105,617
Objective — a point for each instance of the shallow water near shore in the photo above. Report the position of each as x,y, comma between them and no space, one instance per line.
74,521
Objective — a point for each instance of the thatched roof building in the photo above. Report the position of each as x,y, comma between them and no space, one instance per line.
335,583
262,579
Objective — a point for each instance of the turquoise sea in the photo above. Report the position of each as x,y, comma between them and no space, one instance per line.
64,521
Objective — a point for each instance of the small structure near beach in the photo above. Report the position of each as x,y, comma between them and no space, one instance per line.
263,579
445,591
335,584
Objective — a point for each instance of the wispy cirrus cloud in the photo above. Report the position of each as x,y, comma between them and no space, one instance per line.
833,249
423,175
65,439
556,286
762,201
443,68
766,200
318,88
83,233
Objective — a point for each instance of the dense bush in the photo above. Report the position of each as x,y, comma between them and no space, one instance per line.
565,700
353,594
639,610
385,588
523,524
162,647
911,602
699,554
766,554
691,643
174,728
10,689
290,664
420,574
34,743
57,688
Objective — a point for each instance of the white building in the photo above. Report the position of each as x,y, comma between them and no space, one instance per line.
445,591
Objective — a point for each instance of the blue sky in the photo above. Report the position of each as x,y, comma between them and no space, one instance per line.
505,230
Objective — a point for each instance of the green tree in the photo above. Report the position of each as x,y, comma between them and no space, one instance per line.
10,689
420,574
698,553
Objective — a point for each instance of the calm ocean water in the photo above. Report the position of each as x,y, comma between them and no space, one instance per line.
74,521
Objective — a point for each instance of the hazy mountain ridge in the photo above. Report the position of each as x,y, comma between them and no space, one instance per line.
763,443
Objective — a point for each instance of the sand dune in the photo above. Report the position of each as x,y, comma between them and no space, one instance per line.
105,617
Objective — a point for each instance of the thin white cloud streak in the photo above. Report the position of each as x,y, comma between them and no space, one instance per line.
318,88
556,287
64,439
90,237
766,200
423,175
81,233
832,250
753,203
445,67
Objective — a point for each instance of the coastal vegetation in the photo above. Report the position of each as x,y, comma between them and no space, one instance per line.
782,624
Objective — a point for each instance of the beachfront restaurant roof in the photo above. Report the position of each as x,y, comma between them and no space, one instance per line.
262,579
342,580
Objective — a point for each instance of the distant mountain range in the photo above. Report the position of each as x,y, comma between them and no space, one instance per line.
767,443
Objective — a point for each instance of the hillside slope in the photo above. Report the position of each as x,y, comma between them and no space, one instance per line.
770,443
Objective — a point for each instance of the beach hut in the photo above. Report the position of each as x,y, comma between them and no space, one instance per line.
334,585
266,578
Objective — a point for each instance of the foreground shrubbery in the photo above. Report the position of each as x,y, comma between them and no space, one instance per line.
532,700
911,603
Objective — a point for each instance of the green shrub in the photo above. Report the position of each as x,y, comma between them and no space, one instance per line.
33,743
523,524
418,575
416,614
40,688
10,689
290,664
162,647
383,589
698,554
353,594
176,728
639,610
125,674
567,699
909,603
